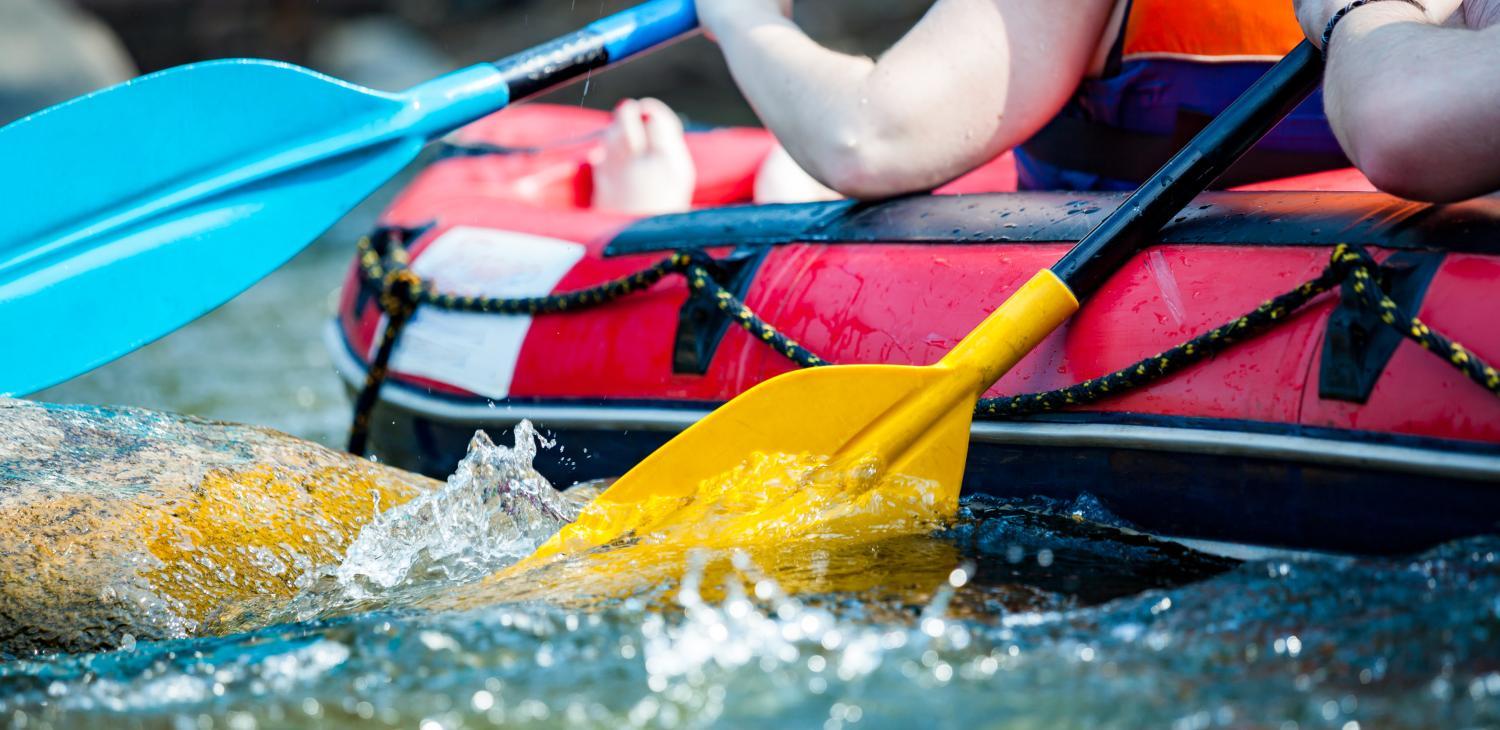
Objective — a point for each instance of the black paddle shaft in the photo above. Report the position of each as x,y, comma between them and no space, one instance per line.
554,63
1234,131
607,40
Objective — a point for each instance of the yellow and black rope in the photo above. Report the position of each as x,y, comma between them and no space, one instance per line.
1368,290
399,305
379,269
701,283
1346,261
402,291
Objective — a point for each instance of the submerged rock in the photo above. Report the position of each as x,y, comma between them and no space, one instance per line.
126,524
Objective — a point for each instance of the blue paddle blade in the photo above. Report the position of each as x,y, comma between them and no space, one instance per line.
132,211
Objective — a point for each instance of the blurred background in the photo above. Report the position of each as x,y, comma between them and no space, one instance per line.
259,359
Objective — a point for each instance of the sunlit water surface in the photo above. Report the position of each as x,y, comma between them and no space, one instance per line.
1016,615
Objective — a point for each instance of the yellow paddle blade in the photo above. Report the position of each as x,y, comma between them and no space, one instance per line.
787,514
734,484
835,448
772,452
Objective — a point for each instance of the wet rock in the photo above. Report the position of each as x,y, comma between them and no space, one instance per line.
126,524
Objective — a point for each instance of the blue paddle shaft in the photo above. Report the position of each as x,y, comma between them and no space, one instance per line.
645,27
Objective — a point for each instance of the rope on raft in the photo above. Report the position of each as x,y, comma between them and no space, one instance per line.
1347,262
402,291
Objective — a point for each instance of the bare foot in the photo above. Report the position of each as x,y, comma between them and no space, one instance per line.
644,167
781,180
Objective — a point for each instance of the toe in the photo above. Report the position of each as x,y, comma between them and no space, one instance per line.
627,133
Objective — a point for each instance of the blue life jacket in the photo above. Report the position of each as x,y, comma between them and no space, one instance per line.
1173,66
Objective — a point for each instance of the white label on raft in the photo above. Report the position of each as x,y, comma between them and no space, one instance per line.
478,352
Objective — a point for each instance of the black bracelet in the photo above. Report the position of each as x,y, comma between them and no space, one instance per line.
1328,31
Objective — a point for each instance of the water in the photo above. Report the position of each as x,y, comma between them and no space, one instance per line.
258,359
1026,614
492,512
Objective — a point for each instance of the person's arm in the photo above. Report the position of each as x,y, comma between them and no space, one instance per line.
1415,104
972,79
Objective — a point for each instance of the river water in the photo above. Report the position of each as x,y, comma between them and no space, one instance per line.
1020,614
1016,614
257,359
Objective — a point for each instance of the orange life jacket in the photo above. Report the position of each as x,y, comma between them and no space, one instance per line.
1209,31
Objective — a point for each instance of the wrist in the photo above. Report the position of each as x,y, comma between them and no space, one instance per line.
1374,15
1366,15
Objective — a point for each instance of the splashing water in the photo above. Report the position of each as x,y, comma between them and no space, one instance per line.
787,511
1018,614
493,511
1265,644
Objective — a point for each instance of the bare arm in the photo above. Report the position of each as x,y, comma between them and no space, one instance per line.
1415,103
972,79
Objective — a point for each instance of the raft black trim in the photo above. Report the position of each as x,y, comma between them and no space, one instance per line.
1229,218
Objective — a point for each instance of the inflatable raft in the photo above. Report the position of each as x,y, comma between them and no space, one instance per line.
1329,430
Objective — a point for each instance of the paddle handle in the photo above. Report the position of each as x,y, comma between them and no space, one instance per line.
605,41
1014,329
1033,312
1233,132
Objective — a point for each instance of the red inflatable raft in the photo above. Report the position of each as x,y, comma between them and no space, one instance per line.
1329,431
